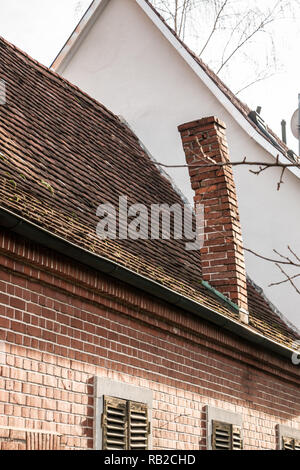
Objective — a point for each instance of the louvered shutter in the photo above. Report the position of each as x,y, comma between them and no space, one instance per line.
114,424
287,443
297,444
237,442
226,436
138,426
221,436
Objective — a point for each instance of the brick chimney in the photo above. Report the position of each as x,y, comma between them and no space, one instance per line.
223,264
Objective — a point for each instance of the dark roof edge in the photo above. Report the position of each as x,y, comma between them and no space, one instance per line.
277,312
17,224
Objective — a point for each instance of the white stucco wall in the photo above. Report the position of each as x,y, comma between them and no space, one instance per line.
127,64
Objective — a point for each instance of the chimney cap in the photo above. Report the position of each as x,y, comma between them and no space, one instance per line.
202,122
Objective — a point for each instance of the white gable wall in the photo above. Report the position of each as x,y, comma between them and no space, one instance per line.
127,64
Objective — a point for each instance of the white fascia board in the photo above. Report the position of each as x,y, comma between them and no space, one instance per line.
224,100
89,19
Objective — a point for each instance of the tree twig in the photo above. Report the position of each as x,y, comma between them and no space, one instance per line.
284,280
214,26
263,166
288,278
272,260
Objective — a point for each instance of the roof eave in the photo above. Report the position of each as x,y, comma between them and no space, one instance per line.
17,224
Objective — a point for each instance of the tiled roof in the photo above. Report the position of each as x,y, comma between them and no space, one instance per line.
62,154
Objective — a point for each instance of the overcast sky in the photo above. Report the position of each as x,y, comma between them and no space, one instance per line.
41,27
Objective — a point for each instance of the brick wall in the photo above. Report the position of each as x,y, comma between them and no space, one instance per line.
62,325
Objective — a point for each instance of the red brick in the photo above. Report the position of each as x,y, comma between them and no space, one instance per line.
17,303
15,434
196,359
9,445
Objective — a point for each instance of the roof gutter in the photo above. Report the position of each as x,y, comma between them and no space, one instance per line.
31,231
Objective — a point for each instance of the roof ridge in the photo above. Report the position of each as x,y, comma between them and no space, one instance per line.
55,76
217,80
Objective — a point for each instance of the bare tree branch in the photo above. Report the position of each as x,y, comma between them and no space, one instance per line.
279,263
294,254
272,260
238,22
262,166
263,76
213,30
242,43
288,278
284,280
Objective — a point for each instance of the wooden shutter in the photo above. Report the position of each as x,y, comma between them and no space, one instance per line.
226,436
237,442
138,426
287,443
114,424
221,436
297,444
